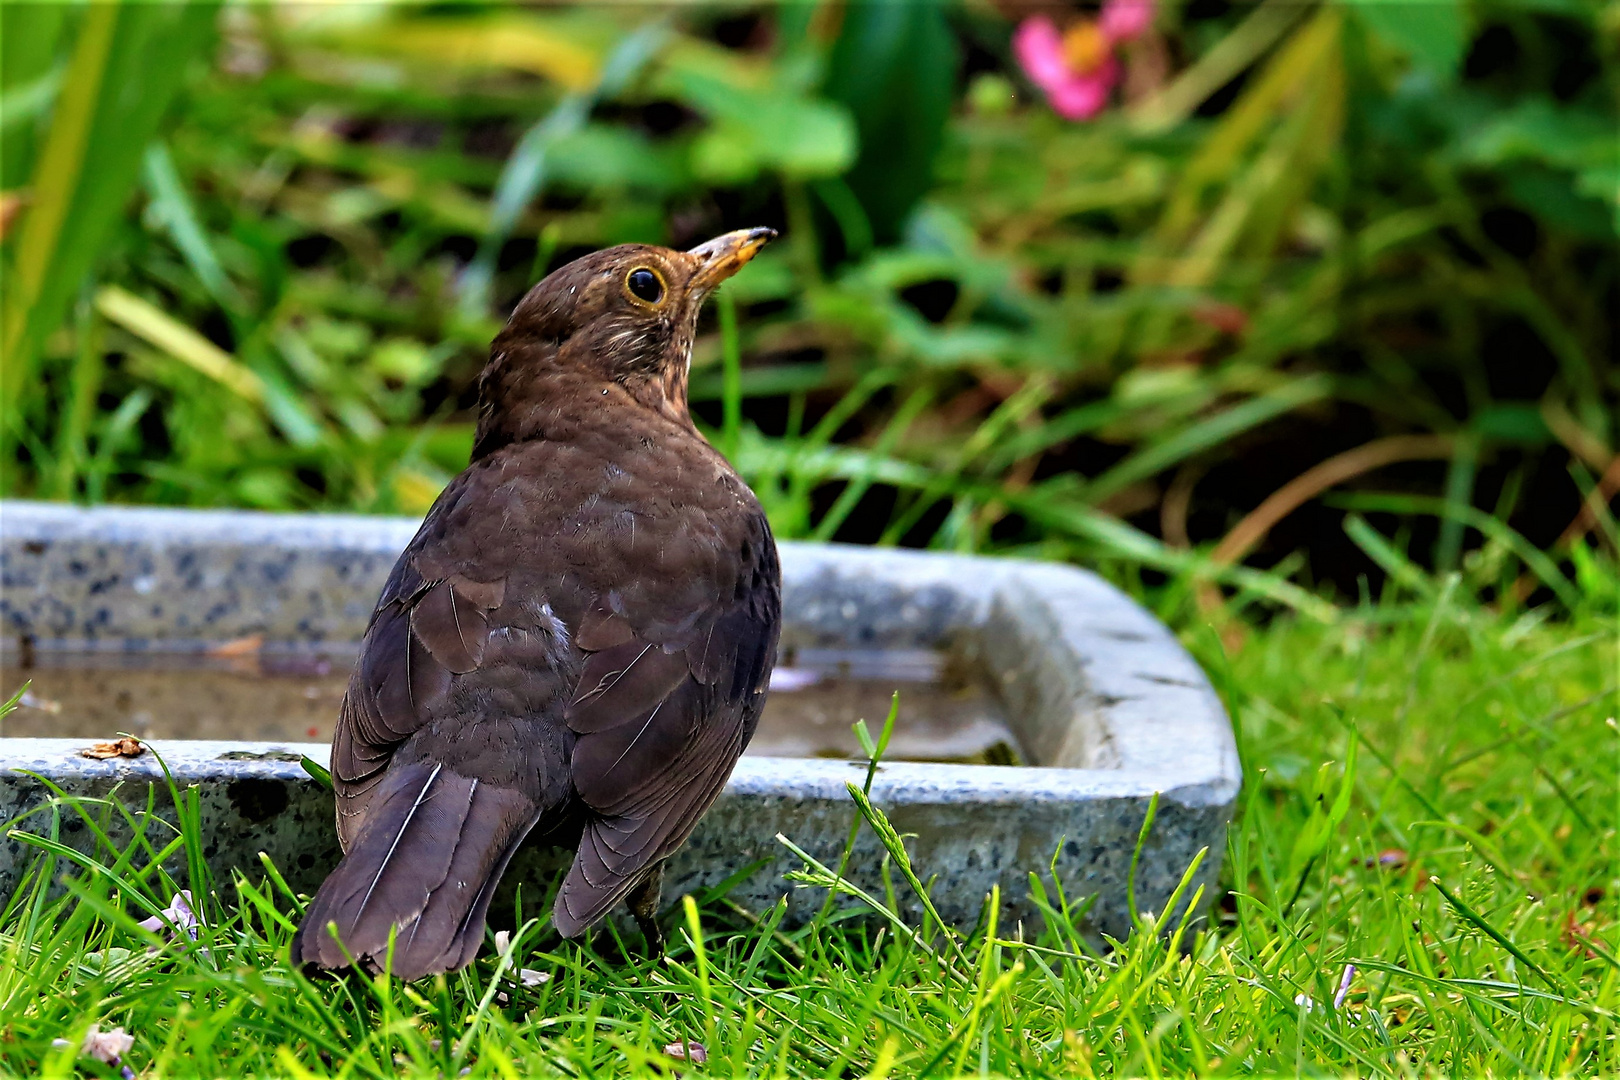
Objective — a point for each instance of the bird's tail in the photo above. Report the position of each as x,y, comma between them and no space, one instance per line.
423,869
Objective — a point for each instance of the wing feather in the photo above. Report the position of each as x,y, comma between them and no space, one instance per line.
661,728
620,683
425,632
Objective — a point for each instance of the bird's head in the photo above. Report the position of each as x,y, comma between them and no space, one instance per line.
624,315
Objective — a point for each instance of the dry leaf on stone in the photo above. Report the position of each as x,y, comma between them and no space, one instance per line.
125,747
242,646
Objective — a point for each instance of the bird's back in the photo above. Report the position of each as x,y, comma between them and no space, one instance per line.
582,630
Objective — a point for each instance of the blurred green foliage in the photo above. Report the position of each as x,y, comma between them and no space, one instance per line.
254,256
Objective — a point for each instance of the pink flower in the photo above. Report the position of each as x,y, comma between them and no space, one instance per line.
1080,97
1073,95
1125,20
1039,49
1076,69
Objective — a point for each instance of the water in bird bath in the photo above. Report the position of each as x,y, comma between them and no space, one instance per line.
243,691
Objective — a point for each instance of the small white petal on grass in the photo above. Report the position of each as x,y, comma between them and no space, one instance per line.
106,1046
531,977
178,915
1305,1000
1344,986
503,941
687,1050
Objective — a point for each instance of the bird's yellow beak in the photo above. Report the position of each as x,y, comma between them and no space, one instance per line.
725,255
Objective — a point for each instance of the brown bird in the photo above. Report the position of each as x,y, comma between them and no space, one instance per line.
576,643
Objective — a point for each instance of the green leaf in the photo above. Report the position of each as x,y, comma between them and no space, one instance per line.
1602,182
528,169
893,65
127,64
1571,139
1434,33
767,276
602,157
864,737
761,129
1585,204
1519,422
1537,129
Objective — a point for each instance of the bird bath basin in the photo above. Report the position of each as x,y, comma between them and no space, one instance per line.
246,690
1041,709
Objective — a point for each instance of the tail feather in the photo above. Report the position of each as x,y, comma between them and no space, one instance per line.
422,868
470,935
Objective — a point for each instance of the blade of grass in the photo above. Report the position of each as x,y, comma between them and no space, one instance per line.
1533,557
1210,431
90,161
173,207
1382,552
180,341
1484,926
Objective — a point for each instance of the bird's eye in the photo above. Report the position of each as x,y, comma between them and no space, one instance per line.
645,284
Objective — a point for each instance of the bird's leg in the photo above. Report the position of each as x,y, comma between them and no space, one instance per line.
643,901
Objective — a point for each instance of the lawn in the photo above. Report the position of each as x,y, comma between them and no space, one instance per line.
1420,881
1304,335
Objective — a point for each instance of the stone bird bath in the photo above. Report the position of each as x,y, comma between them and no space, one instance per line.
1105,706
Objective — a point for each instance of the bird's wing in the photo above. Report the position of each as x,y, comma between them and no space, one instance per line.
430,625
662,715
444,757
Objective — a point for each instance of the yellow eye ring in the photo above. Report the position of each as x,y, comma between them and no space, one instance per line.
645,285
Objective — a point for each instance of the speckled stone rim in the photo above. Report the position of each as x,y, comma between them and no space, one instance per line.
1101,695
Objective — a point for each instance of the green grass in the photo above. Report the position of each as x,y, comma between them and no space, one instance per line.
1430,797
